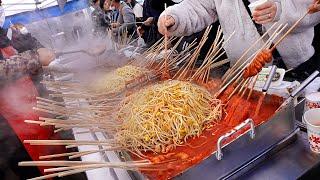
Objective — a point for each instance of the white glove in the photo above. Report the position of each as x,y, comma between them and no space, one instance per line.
130,54
141,42
57,66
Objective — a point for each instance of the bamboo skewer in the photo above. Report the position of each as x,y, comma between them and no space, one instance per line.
227,74
252,87
235,74
289,31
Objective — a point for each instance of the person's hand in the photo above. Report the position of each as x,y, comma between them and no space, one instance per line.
115,25
164,23
140,31
148,22
315,7
265,13
46,56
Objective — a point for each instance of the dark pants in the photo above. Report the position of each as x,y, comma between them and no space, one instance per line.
304,70
207,45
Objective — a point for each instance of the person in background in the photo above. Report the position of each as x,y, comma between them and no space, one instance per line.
18,94
137,9
2,15
22,40
126,20
151,12
6,49
316,39
98,17
77,29
27,62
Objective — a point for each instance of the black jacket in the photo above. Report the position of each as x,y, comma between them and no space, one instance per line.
153,8
4,41
25,42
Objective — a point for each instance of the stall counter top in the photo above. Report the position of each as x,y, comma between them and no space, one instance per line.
291,162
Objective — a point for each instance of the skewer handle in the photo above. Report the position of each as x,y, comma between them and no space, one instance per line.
298,90
269,80
67,52
289,31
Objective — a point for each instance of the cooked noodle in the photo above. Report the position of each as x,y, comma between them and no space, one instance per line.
163,116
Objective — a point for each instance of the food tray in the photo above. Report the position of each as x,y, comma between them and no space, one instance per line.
241,149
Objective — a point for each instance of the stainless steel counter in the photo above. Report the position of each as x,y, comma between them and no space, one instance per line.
289,163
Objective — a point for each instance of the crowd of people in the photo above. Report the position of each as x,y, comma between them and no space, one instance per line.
187,18
190,18
130,15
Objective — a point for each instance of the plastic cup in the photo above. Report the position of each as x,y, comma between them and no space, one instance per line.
312,101
255,4
312,119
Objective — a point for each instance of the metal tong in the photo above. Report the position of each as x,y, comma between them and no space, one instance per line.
297,91
92,52
269,80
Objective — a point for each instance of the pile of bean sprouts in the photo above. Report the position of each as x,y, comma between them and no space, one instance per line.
116,80
161,117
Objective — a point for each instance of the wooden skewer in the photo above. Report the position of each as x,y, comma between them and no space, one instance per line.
289,31
74,155
166,68
242,66
82,163
237,88
252,87
95,166
69,142
239,92
228,73
95,151
57,155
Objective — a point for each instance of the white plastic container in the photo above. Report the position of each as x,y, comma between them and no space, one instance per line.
312,101
255,4
312,119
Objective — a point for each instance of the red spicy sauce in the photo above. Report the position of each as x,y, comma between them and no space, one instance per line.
198,149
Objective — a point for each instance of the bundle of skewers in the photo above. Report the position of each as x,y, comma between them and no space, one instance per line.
156,117
162,123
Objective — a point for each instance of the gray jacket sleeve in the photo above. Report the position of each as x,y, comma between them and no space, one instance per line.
128,19
294,9
191,16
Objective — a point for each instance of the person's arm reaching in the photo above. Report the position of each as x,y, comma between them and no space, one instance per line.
188,17
128,20
294,9
25,63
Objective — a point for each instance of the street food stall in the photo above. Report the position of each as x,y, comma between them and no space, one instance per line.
118,111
